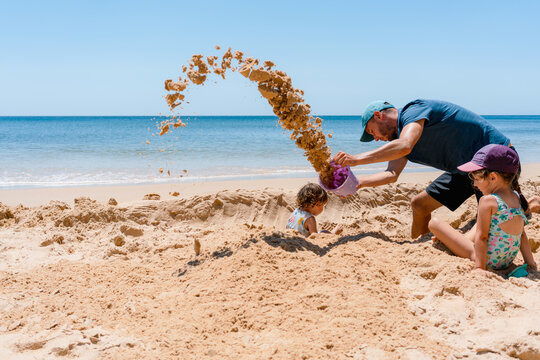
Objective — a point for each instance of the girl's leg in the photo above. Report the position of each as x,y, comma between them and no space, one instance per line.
469,235
457,242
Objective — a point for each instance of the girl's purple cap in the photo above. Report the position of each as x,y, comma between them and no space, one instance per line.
495,158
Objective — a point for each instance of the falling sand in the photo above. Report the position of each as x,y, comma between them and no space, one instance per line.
274,85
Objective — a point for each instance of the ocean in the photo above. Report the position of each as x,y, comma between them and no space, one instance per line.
95,150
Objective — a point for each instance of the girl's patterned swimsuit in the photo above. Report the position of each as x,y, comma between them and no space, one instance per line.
502,247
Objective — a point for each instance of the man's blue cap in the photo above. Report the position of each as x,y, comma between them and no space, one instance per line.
378,105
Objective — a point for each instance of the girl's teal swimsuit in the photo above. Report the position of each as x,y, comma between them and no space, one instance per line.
502,247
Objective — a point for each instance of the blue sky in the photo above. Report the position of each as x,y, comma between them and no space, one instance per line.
112,57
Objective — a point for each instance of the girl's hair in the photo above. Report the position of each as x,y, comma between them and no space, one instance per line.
311,194
511,179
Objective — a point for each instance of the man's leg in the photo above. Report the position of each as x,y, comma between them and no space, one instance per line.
449,189
422,207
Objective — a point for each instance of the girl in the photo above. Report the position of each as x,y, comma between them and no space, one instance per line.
311,200
499,232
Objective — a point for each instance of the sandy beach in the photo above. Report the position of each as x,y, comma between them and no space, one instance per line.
83,277
152,153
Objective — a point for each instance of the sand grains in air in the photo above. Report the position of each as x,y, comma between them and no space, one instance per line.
275,85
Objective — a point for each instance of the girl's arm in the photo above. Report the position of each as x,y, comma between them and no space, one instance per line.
526,251
486,207
311,225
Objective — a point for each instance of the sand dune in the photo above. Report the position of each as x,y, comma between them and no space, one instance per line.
92,280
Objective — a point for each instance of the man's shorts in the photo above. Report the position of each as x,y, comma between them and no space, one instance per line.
452,189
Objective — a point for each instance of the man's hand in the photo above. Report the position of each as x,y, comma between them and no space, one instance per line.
342,158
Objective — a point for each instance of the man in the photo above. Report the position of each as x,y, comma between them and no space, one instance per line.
430,132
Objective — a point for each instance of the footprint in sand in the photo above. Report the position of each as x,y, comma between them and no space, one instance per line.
355,203
151,197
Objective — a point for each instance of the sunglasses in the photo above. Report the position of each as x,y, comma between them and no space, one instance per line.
482,174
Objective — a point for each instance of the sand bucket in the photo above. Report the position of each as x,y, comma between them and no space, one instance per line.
347,188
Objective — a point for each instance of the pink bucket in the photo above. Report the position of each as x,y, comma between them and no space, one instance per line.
347,188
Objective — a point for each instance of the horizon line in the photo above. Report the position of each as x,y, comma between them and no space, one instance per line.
11,116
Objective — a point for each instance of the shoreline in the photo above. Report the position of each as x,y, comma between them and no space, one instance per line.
132,193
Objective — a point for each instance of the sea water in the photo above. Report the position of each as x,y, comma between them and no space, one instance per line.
73,151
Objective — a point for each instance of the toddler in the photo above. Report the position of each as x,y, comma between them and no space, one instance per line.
311,200
499,232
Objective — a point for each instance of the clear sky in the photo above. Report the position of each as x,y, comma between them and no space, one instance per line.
112,57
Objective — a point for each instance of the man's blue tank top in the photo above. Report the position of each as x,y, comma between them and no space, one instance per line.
451,135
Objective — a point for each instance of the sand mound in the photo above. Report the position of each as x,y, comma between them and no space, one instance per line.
93,280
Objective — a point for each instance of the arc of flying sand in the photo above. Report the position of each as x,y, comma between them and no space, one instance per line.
275,86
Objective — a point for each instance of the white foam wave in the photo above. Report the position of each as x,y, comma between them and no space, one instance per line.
69,179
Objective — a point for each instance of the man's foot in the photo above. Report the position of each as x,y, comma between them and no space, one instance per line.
534,204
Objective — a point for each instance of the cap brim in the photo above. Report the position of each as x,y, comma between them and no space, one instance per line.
366,137
469,167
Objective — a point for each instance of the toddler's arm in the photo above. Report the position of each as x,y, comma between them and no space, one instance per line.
311,225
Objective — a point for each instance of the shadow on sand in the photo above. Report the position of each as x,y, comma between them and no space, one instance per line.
292,243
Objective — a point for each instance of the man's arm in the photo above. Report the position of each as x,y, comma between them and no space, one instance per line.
390,175
393,150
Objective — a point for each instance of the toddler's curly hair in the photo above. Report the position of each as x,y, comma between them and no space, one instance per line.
311,194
